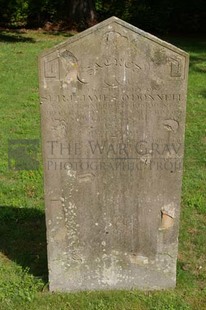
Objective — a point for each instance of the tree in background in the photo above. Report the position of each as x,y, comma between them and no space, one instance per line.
81,13
156,16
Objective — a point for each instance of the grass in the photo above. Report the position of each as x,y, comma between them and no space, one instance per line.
23,262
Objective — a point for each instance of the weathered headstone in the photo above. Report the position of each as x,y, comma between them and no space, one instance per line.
113,114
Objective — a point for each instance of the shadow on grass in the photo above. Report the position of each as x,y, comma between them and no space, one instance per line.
23,238
65,34
14,37
198,64
203,93
190,43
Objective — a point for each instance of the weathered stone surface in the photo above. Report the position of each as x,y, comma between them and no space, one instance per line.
113,113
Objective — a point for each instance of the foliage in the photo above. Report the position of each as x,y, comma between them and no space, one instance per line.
160,16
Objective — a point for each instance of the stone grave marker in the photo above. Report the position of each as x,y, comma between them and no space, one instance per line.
113,102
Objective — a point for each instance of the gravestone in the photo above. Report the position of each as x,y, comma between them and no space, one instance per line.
113,104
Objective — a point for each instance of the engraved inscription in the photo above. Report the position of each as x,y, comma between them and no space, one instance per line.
119,66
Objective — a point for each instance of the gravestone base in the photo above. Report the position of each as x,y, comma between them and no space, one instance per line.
138,273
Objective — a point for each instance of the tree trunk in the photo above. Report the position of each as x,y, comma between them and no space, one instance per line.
82,13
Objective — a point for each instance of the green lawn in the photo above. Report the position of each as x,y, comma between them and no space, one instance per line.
23,262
